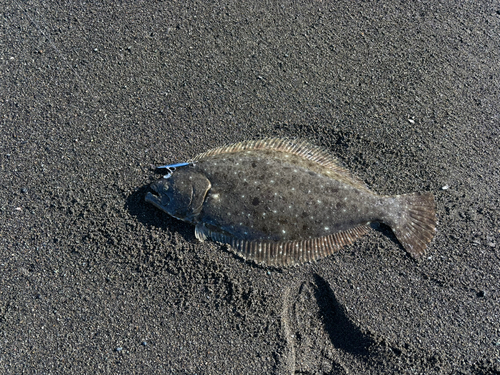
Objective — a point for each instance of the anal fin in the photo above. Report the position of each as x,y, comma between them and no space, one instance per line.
283,253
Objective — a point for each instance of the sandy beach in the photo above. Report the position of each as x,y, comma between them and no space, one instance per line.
93,96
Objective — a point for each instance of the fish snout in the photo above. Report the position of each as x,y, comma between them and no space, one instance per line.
157,196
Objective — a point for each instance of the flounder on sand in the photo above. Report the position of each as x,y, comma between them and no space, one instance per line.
283,202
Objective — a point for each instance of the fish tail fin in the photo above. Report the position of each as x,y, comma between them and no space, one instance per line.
417,224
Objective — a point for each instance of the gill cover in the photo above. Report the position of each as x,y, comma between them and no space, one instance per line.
181,194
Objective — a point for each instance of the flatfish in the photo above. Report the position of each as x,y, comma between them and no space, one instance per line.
284,202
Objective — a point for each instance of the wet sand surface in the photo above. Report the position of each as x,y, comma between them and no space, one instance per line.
94,280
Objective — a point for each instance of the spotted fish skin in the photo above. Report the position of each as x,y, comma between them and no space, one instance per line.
283,202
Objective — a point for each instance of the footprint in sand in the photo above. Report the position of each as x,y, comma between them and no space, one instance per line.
320,337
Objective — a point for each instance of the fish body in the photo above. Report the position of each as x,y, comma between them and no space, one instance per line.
282,202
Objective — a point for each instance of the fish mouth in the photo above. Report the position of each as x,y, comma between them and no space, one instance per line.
154,197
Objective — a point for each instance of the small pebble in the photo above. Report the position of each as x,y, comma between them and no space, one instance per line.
490,241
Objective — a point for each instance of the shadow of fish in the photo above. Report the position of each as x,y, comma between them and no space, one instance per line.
283,202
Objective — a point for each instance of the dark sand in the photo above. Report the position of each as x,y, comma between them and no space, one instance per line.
93,280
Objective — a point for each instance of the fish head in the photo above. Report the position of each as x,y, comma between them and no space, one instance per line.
180,194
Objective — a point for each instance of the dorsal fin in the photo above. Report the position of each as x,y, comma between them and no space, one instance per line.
283,253
297,147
